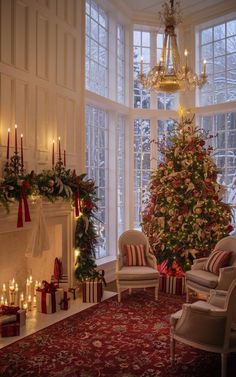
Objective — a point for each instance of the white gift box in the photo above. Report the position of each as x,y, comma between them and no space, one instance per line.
49,302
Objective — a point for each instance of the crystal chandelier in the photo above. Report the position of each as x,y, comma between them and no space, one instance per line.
171,74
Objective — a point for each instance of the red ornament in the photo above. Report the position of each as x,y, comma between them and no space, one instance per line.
230,228
88,204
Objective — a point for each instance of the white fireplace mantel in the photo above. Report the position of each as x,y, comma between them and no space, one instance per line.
60,224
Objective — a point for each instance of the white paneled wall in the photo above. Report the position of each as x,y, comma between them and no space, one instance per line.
41,85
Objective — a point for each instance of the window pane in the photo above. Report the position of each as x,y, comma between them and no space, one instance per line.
141,164
97,168
220,53
207,36
231,28
219,32
96,50
223,127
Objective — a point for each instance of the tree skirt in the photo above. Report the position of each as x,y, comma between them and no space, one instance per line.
111,339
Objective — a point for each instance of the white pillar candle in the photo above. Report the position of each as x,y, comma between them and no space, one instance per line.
21,300
29,302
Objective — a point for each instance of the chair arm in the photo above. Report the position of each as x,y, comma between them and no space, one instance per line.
226,276
119,262
217,298
201,325
199,263
151,260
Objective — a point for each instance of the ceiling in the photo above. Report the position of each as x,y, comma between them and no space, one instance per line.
188,7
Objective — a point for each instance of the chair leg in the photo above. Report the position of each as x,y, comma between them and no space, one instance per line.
156,292
118,291
172,350
187,294
223,364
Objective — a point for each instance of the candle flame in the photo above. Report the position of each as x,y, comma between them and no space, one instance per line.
8,130
59,138
185,52
21,135
204,61
53,141
15,125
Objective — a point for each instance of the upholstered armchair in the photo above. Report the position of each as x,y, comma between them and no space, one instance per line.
136,266
207,325
198,279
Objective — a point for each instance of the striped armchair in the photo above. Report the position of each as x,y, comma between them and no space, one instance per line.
136,266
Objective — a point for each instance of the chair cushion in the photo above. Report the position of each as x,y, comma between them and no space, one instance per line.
205,278
134,255
217,260
137,273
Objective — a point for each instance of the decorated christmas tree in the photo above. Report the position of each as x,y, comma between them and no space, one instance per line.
184,215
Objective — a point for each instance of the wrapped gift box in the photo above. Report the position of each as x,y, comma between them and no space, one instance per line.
10,329
7,318
21,317
65,301
92,290
172,284
48,302
74,292
62,282
48,298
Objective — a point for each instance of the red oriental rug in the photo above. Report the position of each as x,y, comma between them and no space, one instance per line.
110,339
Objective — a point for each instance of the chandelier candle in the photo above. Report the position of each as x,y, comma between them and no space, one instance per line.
141,65
8,142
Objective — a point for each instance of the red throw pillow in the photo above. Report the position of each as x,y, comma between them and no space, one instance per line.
134,255
216,260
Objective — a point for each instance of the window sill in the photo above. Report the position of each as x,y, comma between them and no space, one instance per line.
105,260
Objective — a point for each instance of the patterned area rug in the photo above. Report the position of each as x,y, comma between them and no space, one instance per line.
111,339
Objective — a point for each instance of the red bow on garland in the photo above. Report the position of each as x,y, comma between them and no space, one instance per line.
23,198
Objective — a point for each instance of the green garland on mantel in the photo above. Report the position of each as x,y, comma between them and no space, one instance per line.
52,185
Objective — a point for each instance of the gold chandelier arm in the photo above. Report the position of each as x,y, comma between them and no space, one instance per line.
168,53
163,51
175,52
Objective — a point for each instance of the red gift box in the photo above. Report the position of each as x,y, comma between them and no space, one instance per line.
92,290
10,329
172,284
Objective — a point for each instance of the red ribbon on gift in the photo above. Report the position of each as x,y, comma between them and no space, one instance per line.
8,310
174,270
23,198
